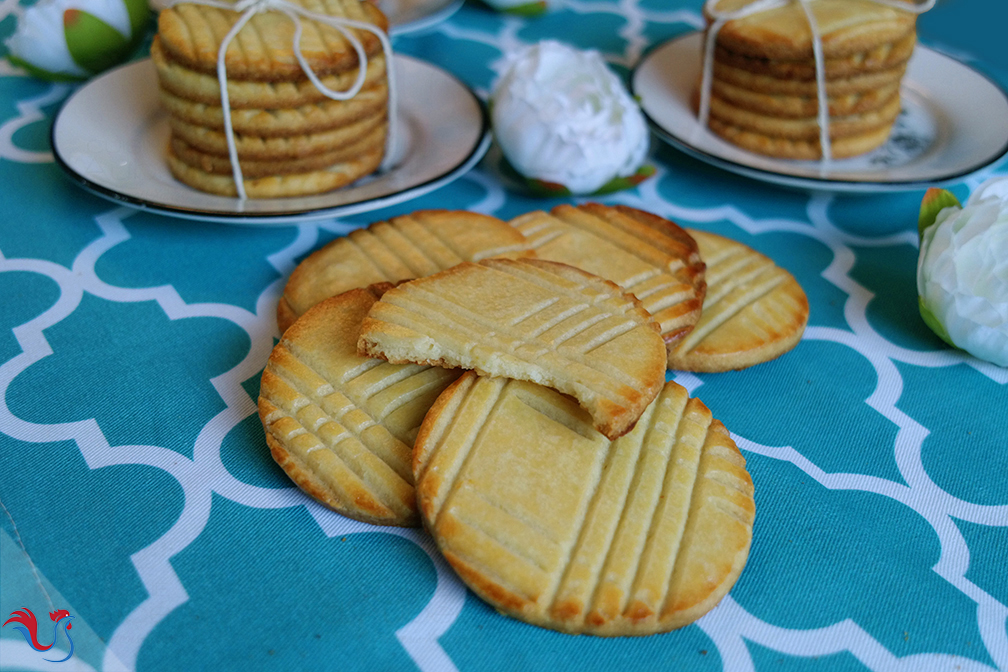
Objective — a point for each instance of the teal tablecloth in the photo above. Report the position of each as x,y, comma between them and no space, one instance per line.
139,496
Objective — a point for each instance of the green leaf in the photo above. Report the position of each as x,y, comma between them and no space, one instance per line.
527,9
94,45
36,71
621,183
545,189
934,201
140,16
933,323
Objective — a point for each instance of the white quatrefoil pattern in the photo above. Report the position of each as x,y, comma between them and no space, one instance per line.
138,493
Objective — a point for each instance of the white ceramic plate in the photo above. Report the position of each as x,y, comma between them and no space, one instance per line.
954,123
110,137
405,16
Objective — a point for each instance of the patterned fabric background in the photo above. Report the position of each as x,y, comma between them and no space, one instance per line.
139,495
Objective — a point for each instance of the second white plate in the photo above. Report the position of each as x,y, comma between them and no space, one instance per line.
954,122
110,137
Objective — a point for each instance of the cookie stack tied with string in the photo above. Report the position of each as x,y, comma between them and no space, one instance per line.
274,98
806,79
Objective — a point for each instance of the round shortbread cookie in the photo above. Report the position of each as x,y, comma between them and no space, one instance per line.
263,50
342,426
307,119
286,148
754,310
780,105
528,319
846,28
642,253
404,247
802,150
278,186
551,523
205,88
838,86
805,128
881,58
221,165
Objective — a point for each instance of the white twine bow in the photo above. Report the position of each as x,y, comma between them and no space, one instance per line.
250,8
721,18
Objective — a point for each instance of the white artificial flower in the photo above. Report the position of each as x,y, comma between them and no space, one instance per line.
995,187
40,40
962,273
561,115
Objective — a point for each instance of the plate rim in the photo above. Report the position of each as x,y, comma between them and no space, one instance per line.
280,217
834,183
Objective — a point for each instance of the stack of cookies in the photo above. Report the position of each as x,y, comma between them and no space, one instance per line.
764,90
291,139
517,407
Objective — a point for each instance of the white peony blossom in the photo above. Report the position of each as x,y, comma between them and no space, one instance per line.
40,39
996,187
561,115
962,273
